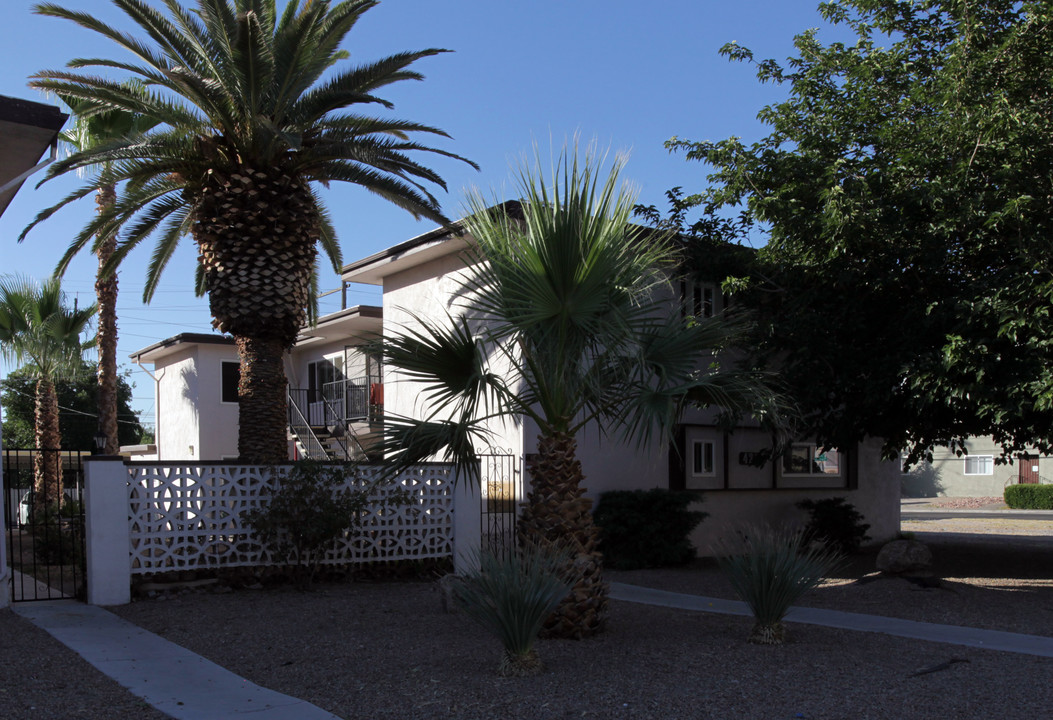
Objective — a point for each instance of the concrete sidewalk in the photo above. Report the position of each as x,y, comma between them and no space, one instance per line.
169,677
952,634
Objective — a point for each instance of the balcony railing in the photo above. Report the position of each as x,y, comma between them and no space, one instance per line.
340,402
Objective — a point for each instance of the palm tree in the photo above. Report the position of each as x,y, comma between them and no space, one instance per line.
93,130
37,329
250,120
575,300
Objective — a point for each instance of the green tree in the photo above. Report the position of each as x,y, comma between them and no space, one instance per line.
906,193
77,409
38,331
567,322
95,131
250,120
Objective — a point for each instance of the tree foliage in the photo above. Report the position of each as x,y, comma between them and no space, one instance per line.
77,409
905,189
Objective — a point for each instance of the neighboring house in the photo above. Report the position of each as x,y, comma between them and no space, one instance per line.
976,474
422,278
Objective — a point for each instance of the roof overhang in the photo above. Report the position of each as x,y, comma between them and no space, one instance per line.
165,347
27,130
360,321
434,244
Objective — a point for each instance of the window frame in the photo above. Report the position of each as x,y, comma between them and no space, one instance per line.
703,443
988,464
814,450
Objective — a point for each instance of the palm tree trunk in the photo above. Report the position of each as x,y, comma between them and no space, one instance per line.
262,402
106,297
47,484
558,517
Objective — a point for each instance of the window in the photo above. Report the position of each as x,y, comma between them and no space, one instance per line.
979,465
230,375
702,464
811,460
697,299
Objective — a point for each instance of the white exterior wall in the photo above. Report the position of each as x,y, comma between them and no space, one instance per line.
430,291
194,423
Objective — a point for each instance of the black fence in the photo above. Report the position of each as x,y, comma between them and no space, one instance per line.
502,491
45,523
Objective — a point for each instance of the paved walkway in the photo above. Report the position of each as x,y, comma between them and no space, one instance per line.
186,686
169,677
953,634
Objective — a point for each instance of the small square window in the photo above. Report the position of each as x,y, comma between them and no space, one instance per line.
702,461
979,465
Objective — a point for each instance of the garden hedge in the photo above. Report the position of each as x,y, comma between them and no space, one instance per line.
1029,497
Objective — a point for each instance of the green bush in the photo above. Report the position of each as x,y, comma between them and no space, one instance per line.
836,523
770,570
310,510
646,528
511,595
1029,497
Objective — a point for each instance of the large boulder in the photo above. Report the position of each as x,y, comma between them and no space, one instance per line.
903,557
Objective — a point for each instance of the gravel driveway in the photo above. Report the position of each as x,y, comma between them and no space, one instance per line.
389,650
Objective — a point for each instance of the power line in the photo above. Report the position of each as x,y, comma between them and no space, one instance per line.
68,409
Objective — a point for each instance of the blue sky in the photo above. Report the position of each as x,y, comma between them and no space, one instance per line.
627,75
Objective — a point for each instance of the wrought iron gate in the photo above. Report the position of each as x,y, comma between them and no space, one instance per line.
45,525
501,479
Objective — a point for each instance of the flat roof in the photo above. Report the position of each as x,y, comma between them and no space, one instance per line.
435,243
333,325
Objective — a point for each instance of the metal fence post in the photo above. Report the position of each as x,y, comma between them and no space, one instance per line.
108,539
5,574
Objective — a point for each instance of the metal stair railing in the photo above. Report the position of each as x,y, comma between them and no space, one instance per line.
305,437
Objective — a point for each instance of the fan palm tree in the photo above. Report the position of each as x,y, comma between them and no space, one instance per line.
92,130
37,329
250,120
575,300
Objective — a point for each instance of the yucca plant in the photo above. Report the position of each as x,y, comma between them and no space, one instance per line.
511,595
770,569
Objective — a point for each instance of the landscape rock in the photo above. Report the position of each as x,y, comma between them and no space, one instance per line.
901,557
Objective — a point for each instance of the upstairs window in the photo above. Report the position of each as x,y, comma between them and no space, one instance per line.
697,299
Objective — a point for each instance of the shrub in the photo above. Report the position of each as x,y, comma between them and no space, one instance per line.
836,523
310,510
1029,497
646,528
511,595
770,570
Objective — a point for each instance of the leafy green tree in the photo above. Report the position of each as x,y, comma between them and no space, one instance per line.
89,131
906,194
77,409
250,120
38,331
567,321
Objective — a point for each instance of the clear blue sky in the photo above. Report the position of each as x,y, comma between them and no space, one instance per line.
628,75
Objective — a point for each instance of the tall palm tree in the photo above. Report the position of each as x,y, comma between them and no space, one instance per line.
575,300
250,119
92,130
37,329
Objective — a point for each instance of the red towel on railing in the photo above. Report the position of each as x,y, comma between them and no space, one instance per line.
376,393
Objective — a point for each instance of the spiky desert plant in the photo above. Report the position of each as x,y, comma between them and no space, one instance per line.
770,569
511,595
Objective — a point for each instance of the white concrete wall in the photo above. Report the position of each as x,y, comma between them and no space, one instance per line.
194,423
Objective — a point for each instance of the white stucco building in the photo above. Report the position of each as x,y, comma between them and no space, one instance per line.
421,278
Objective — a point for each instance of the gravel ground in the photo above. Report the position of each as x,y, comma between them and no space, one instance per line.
374,649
